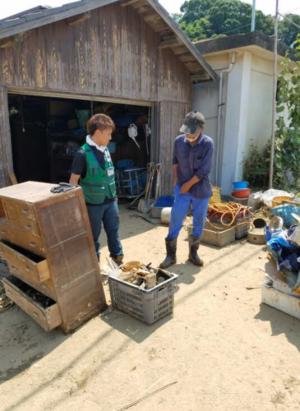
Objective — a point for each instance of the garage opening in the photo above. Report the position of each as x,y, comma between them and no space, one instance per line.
46,133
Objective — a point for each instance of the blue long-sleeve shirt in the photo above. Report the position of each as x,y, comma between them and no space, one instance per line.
194,159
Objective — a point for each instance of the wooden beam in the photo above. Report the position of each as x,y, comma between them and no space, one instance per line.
73,21
169,42
129,3
187,58
199,77
151,17
9,42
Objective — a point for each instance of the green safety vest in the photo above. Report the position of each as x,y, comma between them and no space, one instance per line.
98,184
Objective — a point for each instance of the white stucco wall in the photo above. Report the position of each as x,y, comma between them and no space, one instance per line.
205,99
247,108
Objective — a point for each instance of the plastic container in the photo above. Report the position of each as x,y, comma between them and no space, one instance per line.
242,229
218,238
130,182
281,200
123,164
239,185
164,201
112,147
242,193
148,306
285,212
216,196
166,215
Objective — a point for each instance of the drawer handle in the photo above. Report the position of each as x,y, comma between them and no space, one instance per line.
32,244
28,226
25,210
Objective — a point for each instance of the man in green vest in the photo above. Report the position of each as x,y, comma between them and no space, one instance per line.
93,169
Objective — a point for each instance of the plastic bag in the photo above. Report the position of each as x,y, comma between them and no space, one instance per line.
268,196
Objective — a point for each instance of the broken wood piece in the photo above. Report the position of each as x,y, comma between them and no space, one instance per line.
150,281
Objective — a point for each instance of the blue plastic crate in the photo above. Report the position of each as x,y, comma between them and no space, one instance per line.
285,212
164,201
130,182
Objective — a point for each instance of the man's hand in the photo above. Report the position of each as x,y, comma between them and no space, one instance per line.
185,188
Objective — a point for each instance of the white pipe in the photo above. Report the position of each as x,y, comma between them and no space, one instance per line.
271,172
220,106
253,15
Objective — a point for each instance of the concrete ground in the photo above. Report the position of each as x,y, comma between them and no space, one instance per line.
222,349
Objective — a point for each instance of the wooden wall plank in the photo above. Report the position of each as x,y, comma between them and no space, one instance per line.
6,163
171,115
113,53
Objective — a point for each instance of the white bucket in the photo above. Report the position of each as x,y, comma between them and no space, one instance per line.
166,215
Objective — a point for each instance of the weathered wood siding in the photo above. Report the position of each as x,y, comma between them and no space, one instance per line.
171,115
6,163
114,53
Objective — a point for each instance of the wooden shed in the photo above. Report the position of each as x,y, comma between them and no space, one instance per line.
59,65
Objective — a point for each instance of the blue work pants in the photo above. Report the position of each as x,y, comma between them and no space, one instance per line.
182,204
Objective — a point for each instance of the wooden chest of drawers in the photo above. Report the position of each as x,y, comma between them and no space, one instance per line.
47,242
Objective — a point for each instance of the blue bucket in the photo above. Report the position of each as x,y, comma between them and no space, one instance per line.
164,201
238,185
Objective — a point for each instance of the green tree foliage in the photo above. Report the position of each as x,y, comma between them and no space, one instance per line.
287,144
287,141
287,30
202,19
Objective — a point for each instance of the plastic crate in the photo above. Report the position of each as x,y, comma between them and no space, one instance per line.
218,238
148,306
285,211
164,201
130,182
242,229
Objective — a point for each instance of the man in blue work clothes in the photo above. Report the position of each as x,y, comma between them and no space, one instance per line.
192,161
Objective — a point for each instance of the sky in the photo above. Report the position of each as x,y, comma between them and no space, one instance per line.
173,6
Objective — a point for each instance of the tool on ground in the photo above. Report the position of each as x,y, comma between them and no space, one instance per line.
147,134
144,205
158,182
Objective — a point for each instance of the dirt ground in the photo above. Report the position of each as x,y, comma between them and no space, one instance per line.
222,350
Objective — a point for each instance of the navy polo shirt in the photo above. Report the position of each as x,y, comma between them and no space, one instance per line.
194,159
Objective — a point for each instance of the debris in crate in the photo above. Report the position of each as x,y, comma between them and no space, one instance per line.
35,295
137,273
5,302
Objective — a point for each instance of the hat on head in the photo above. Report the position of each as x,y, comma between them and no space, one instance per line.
192,121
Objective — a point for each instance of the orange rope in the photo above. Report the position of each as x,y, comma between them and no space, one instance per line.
227,211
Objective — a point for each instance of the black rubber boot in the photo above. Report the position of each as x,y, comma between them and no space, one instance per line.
194,243
118,259
171,247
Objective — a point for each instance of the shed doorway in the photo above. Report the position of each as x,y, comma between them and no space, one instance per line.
46,132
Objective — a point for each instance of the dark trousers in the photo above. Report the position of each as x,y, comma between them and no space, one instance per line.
108,214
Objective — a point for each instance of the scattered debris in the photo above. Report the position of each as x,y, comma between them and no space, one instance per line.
5,302
141,275
144,397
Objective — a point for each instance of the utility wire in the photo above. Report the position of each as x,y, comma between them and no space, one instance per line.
289,20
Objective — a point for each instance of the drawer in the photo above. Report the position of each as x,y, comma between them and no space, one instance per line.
40,308
22,215
23,238
23,263
17,209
